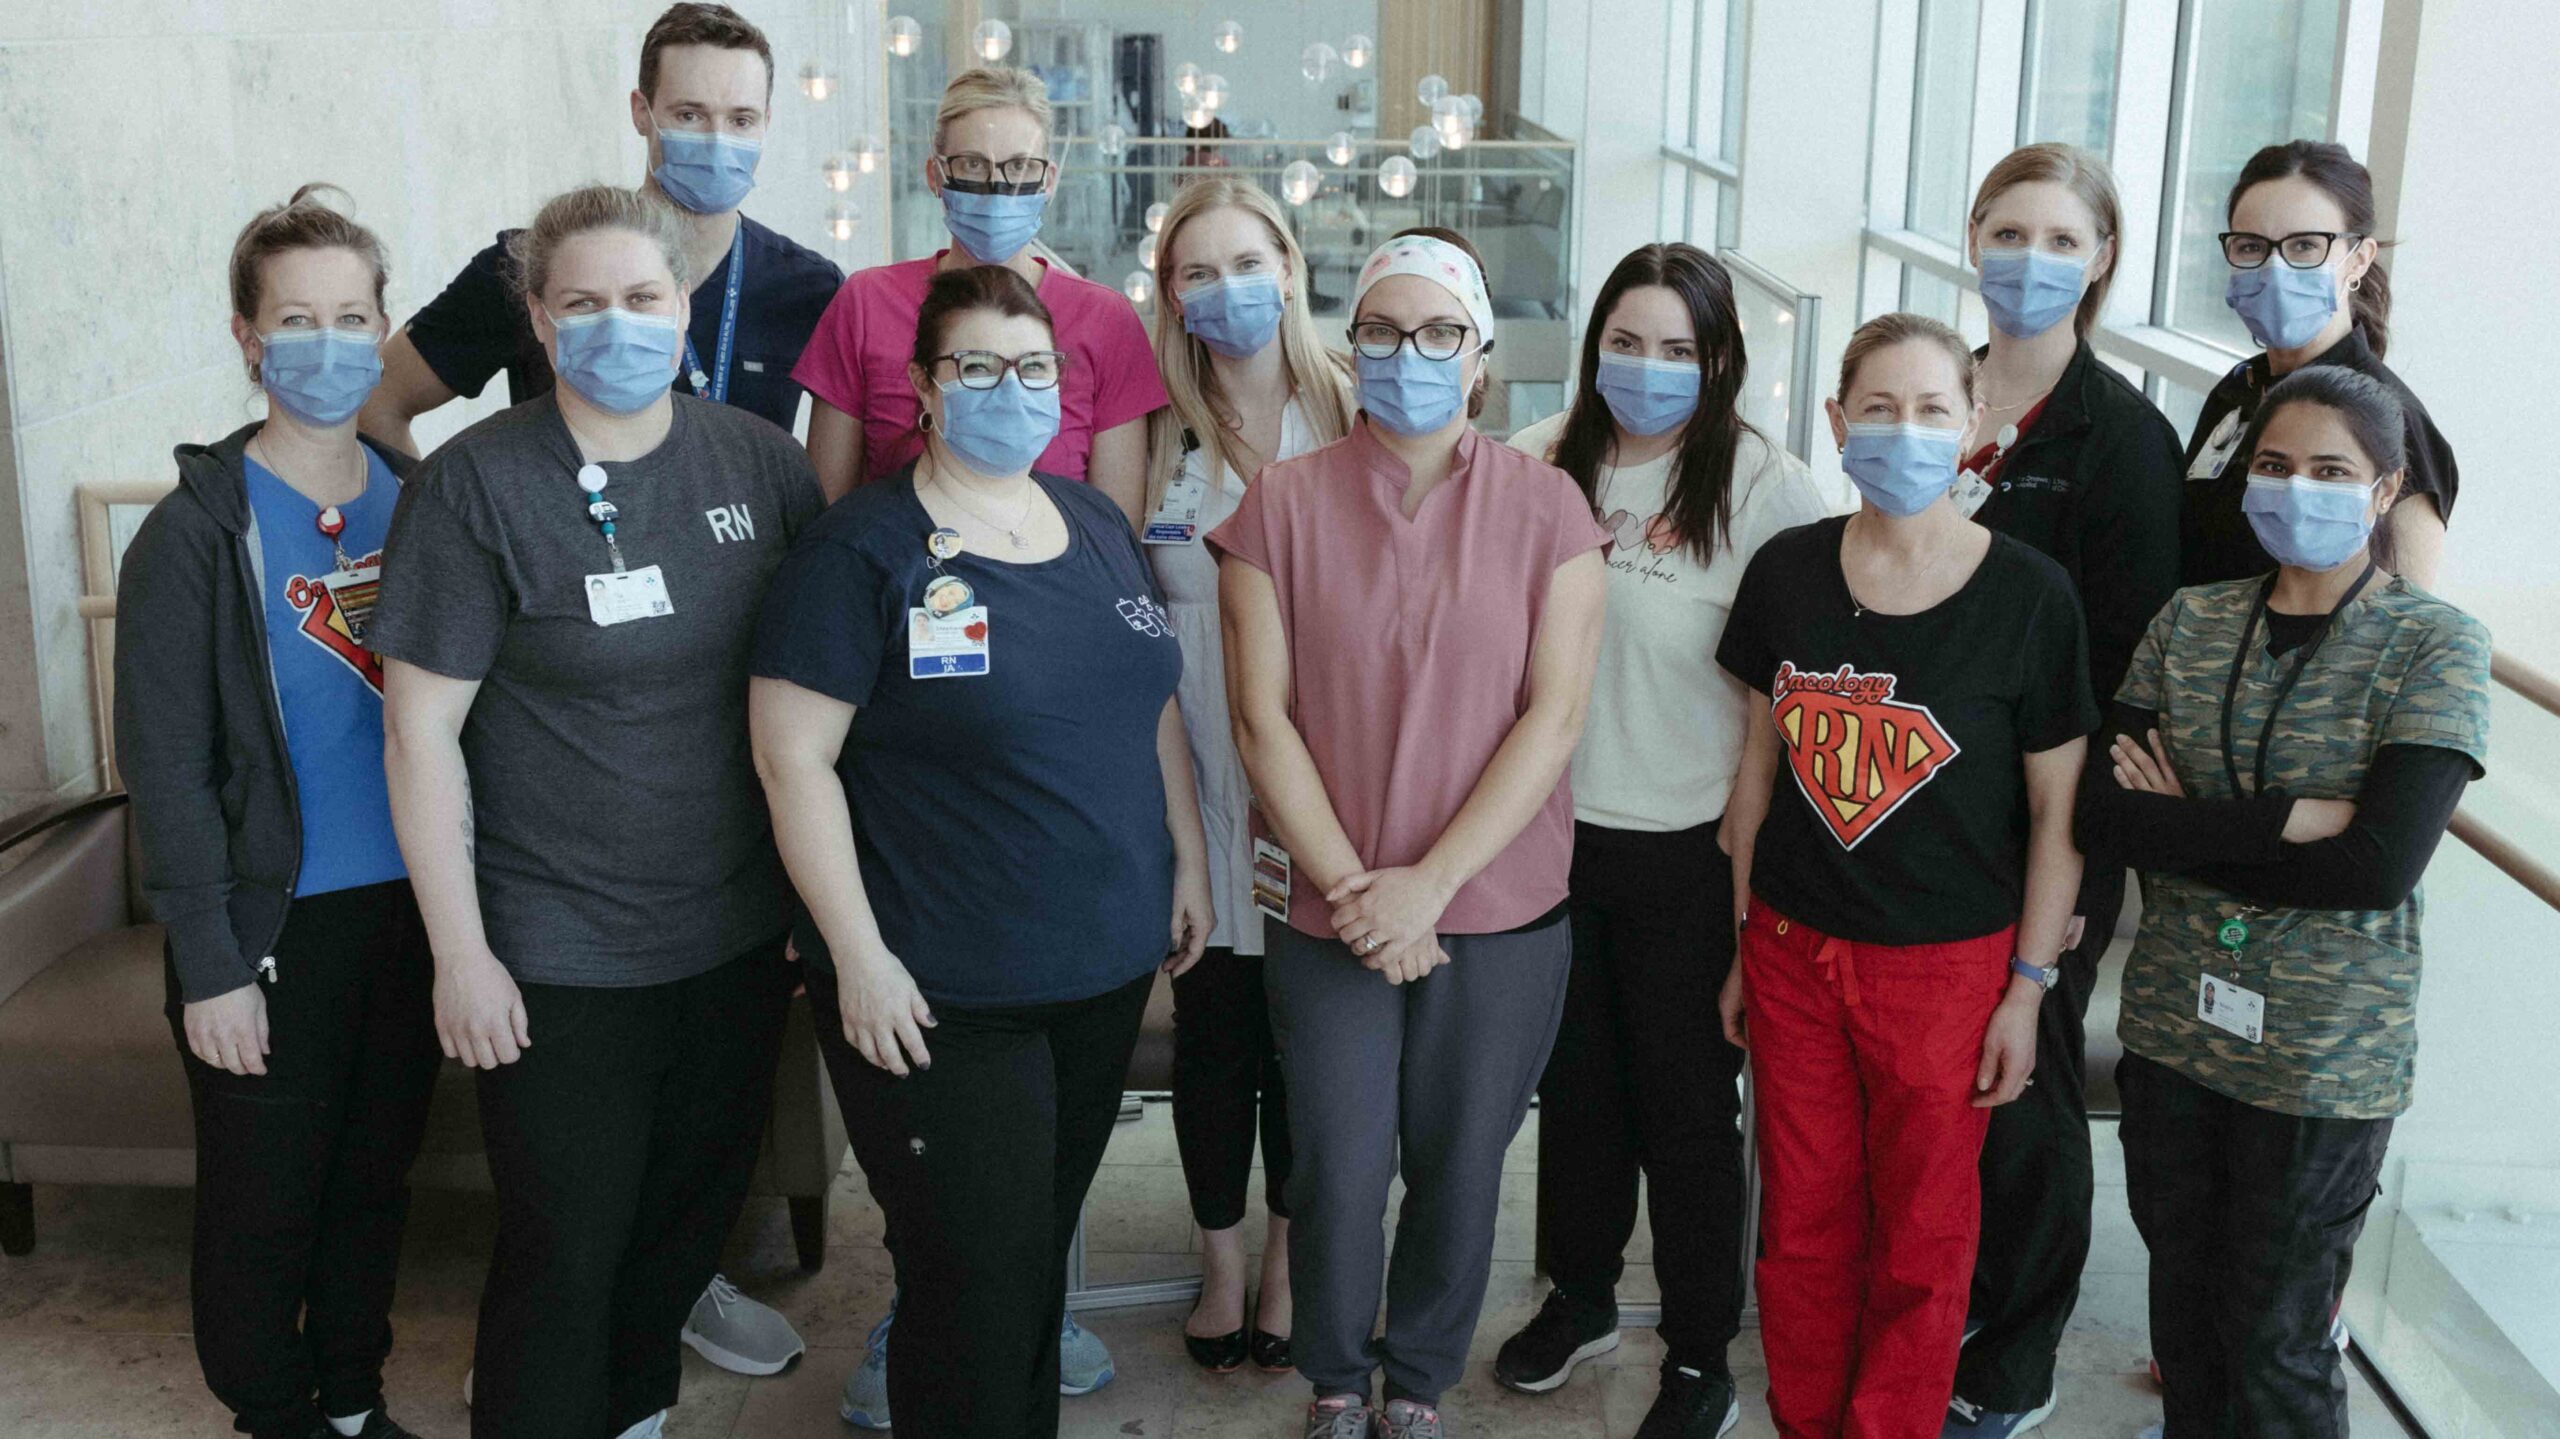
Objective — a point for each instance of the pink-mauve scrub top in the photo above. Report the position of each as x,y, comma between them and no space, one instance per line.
857,361
1409,644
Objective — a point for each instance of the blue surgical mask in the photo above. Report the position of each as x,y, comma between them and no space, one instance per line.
992,228
2029,291
620,360
706,173
1901,469
2284,308
1648,397
1410,394
1001,431
2306,523
320,376
1235,316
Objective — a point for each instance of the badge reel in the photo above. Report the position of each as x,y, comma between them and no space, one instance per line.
353,588
947,634
2218,447
2233,1008
626,594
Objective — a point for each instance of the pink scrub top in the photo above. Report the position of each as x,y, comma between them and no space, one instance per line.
1409,645
857,361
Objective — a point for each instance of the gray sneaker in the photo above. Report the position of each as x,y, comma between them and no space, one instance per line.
1344,1416
738,1334
1084,1362
1404,1419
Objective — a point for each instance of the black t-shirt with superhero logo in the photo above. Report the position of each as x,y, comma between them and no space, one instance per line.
1899,812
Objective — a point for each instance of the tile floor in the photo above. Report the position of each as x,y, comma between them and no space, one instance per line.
94,1325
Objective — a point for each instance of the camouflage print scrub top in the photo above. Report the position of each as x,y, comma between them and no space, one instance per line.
2341,986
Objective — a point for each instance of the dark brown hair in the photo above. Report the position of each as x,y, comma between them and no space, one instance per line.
2333,168
1699,507
691,23
301,223
965,291
1466,247
2374,419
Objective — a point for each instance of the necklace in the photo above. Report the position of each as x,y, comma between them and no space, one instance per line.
1012,532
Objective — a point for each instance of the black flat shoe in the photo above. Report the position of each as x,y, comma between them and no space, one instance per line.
1271,1352
1222,1354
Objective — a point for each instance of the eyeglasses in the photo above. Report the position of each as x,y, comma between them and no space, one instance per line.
2303,249
1439,340
985,369
970,169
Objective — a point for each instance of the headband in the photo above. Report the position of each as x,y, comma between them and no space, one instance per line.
1441,263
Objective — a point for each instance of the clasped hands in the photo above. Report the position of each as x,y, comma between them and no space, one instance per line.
1391,919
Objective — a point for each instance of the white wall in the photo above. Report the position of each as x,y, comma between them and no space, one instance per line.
137,136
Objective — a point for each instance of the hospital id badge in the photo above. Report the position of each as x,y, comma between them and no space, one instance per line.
623,596
352,594
947,646
2217,448
1271,879
2229,1007
1177,520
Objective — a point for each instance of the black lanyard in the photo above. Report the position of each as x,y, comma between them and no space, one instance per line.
2241,661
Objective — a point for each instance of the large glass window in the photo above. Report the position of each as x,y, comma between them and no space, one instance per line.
1702,120
2259,72
1942,119
2070,91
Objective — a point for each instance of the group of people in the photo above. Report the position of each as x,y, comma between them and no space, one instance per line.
1439,774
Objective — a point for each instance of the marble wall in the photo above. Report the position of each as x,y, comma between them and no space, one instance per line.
136,136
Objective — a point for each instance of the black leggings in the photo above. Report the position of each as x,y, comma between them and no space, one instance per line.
980,1163
302,1173
1226,1085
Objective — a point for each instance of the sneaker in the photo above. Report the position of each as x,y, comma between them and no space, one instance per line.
378,1425
1542,1355
1404,1419
866,1389
1691,1405
1084,1364
653,1427
1972,1421
1344,1416
738,1334
2151,1431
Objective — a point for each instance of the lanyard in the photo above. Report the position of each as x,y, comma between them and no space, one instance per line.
2302,661
715,387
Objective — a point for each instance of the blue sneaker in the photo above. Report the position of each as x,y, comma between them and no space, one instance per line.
866,1389
1084,1364
1971,1421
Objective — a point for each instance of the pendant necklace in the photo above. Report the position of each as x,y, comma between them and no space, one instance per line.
1012,532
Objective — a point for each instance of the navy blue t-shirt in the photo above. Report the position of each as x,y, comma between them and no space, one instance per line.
478,325
1010,824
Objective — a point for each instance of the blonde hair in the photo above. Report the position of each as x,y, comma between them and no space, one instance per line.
1886,331
305,222
2084,175
993,87
589,208
1318,377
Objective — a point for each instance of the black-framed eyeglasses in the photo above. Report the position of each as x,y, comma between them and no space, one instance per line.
974,169
985,369
2303,249
1439,340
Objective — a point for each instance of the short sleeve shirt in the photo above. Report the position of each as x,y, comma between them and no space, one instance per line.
857,362
1409,648
478,325
2340,1033
1010,825
1899,812
621,836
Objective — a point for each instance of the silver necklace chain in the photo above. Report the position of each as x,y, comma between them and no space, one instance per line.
1012,532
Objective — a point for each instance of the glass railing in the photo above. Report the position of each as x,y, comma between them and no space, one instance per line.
1781,330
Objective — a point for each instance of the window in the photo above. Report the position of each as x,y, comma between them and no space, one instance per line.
1942,120
1702,124
2070,89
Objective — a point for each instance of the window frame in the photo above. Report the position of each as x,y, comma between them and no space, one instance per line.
1687,163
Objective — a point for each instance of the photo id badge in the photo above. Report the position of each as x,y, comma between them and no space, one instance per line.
1271,879
352,593
1177,520
945,646
621,597
2227,1006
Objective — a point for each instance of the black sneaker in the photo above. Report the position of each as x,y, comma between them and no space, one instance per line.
1542,1355
1691,1405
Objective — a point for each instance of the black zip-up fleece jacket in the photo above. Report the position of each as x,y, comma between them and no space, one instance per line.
199,734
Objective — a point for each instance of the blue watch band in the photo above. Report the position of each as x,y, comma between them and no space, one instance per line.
2043,974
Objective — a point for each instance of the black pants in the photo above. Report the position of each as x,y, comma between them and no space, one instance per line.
622,1144
1226,1086
2038,1183
2251,1217
1641,1079
980,1164
302,1174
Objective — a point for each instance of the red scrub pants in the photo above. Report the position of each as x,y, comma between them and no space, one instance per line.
1863,1060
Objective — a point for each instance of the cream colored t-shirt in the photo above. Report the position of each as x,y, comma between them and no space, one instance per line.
1665,730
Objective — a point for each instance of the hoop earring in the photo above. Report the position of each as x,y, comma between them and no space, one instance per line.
924,422
2355,284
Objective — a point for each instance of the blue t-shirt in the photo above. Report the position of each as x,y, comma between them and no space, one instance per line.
1010,824
328,685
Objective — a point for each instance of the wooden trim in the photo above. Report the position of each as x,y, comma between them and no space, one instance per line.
2525,679
2539,879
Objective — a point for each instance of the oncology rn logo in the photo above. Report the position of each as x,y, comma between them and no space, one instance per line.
1855,751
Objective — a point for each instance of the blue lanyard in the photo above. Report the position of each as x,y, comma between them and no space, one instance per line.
718,393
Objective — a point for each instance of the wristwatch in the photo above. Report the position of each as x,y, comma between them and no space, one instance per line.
2043,974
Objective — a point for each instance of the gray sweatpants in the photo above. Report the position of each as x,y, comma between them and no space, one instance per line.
1442,1068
